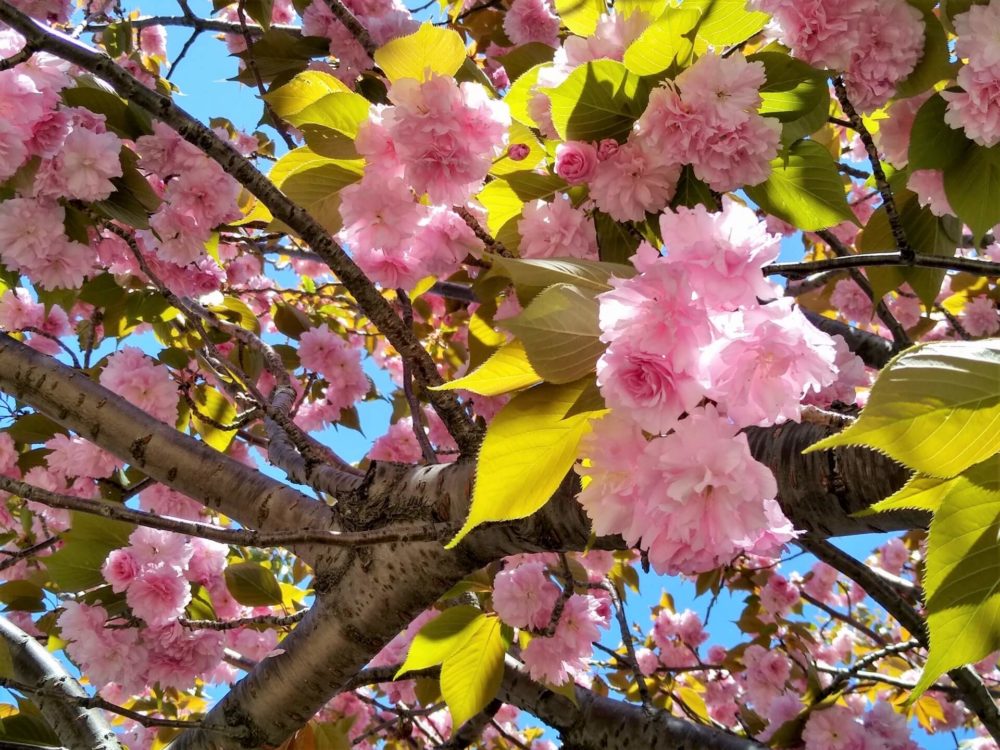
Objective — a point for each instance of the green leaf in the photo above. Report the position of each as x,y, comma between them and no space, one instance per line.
121,118
504,198
238,312
528,448
35,428
972,185
934,64
560,333
792,89
520,93
523,58
726,21
615,243
935,408
341,111
927,235
278,54
600,99
530,277
581,16
663,43
427,51
441,637
317,190
215,406
252,585
305,89
962,577
76,566
933,144
290,320
807,191
471,675
22,596
921,492
507,370
260,11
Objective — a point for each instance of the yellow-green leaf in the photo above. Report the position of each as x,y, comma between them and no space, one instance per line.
307,87
934,408
441,637
581,16
600,99
920,493
507,370
962,578
426,51
215,407
252,585
528,448
726,21
560,333
471,675
663,43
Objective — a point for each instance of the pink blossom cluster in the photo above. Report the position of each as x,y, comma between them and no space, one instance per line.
691,327
529,21
708,118
556,230
324,352
141,382
976,108
876,43
439,138
19,312
383,19
197,196
525,597
851,728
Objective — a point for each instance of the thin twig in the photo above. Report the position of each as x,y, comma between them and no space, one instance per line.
276,621
863,260
416,413
188,43
350,21
238,537
22,554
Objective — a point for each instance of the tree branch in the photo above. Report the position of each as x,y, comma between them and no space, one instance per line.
57,694
969,265
874,350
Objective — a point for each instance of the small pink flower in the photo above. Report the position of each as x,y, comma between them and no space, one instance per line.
518,151
120,569
576,161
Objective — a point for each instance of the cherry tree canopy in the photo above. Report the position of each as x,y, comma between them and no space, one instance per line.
549,234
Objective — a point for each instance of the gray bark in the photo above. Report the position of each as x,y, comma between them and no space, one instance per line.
57,693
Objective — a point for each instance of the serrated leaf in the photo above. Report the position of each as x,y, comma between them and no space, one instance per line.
528,448
507,370
581,16
935,408
972,185
927,235
471,675
307,87
933,143
792,88
560,333
962,577
919,493
599,99
726,21
806,191
429,50
252,585
440,637
663,43
212,404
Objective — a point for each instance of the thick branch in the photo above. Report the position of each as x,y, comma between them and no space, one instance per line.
374,305
78,727
874,350
168,456
597,723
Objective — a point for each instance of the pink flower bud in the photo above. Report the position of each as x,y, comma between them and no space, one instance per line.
518,151
606,149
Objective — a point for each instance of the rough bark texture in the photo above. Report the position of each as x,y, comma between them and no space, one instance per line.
598,723
77,727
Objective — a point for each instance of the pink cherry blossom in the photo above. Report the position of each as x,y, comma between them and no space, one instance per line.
398,444
976,109
158,595
723,252
722,88
633,181
524,596
531,21
338,362
134,377
556,230
576,161
851,300
928,184
980,316
833,728
888,48
75,457
85,165
120,569
557,659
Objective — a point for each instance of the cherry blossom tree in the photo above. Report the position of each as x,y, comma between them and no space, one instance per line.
553,236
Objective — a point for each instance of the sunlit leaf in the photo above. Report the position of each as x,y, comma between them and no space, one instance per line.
427,51
507,370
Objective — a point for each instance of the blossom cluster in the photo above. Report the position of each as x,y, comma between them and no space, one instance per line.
526,597
976,109
438,138
692,357
877,43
